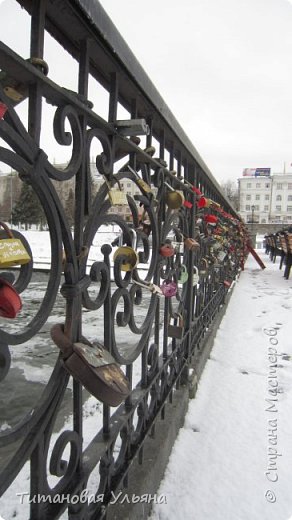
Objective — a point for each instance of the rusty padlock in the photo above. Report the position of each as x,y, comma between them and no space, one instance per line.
10,301
191,244
176,331
127,254
15,89
94,367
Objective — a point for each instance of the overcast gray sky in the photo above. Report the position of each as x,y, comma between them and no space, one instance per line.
224,67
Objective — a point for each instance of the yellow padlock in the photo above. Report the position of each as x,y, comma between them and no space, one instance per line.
12,250
116,197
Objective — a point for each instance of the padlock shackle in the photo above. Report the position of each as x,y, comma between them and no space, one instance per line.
7,229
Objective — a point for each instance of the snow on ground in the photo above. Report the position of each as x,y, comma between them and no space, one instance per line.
232,460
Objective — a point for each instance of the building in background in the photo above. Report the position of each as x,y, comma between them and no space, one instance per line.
265,198
10,188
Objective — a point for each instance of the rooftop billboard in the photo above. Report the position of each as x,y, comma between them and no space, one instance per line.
256,172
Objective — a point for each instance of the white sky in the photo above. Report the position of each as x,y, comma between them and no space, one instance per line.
223,67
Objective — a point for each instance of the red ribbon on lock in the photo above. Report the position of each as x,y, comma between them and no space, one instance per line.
10,302
3,110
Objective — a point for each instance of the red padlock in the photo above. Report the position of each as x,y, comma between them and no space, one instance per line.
166,250
10,302
210,219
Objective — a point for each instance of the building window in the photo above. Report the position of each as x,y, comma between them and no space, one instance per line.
257,197
279,198
279,186
289,209
248,185
278,208
266,208
289,198
248,197
258,185
257,208
289,185
267,197
247,208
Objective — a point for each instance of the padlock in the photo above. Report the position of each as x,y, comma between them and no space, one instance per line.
168,288
221,256
204,269
116,197
203,202
16,90
94,367
211,219
128,256
174,199
196,277
12,250
166,250
184,275
10,301
176,331
193,188
191,244
143,185
150,286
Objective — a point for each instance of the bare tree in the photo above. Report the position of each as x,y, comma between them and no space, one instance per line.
230,190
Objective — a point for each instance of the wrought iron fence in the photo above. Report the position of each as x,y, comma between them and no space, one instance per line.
154,288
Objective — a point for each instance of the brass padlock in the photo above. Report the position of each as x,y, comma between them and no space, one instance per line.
116,197
143,185
94,367
127,254
176,331
12,250
155,289
174,199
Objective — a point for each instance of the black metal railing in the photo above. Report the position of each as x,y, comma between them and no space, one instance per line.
151,291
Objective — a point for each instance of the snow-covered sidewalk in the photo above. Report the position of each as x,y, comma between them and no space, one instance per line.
232,460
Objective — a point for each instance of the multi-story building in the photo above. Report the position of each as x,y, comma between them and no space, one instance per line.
266,199
10,188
